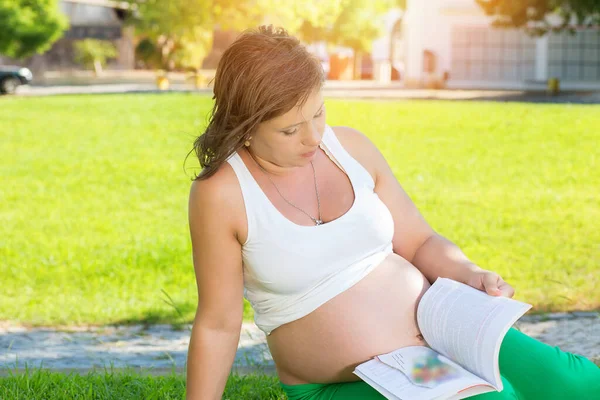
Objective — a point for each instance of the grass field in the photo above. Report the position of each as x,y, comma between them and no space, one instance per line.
93,201
46,385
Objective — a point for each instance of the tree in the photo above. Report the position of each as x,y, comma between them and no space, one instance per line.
354,24
29,26
94,53
193,48
309,20
182,30
165,23
146,51
538,17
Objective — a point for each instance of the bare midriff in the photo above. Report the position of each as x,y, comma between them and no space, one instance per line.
375,316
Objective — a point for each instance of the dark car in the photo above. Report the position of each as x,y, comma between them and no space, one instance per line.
12,77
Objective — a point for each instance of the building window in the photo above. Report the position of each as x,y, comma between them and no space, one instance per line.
574,57
94,32
487,54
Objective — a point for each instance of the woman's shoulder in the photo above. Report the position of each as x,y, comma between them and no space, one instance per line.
219,193
221,183
359,146
354,141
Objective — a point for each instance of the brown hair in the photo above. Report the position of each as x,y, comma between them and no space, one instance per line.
263,74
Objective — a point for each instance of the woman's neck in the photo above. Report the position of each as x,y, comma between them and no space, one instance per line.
275,169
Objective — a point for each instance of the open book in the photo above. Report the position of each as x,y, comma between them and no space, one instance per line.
464,328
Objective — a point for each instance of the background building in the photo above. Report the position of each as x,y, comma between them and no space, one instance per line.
455,37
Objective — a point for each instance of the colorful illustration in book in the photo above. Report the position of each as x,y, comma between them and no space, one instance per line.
429,370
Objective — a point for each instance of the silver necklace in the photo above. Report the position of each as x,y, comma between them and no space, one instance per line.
317,221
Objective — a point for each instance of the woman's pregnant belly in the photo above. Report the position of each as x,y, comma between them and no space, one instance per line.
375,316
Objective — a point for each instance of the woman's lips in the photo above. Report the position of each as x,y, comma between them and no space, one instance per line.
309,154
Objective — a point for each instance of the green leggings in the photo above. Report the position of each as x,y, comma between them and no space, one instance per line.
530,370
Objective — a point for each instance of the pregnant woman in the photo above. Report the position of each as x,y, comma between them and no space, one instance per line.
308,222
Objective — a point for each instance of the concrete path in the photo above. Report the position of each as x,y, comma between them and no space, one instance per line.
337,89
160,348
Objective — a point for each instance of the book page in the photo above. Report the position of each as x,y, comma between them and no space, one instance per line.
424,366
469,392
467,325
393,384
376,386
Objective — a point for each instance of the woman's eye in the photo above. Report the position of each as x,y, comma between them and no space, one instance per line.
296,130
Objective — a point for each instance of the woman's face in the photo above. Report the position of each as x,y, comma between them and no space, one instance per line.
292,139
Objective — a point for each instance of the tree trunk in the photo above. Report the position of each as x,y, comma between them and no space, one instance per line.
97,68
357,65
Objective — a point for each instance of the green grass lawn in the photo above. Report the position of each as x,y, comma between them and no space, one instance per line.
45,385
93,201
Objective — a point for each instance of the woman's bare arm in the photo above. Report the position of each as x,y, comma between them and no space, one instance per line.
218,268
414,239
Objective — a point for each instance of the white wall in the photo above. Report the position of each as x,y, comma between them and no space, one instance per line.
85,14
381,46
429,25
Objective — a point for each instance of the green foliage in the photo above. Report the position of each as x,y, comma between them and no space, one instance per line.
191,49
536,16
308,20
147,52
94,53
359,23
180,31
349,23
29,26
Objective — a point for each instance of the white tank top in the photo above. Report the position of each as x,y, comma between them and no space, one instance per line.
290,269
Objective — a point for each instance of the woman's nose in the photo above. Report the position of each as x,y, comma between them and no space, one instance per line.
313,136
